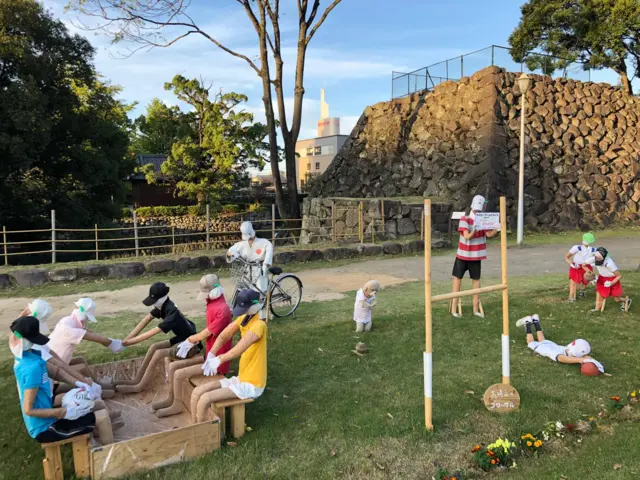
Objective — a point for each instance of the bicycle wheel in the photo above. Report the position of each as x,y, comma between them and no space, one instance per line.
286,294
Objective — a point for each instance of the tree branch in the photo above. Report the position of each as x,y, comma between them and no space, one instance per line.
322,18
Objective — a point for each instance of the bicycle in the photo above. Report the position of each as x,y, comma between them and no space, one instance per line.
283,293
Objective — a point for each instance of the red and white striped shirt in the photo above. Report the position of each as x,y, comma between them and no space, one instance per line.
475,248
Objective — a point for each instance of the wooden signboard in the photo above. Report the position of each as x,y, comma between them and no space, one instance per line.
487,221
501,398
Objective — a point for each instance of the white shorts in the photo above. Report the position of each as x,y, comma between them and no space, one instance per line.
547,348
243,390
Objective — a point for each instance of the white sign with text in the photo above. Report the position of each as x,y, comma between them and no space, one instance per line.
487,221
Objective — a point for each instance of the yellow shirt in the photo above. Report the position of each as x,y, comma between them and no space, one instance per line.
253,362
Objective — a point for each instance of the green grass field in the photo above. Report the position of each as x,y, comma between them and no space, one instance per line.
327,413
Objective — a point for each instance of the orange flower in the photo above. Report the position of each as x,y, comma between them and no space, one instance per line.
538,444
493,462
529,444
615,399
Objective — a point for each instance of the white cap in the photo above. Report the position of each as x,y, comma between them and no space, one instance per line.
247,231
578,348
87,309
477,204
42,311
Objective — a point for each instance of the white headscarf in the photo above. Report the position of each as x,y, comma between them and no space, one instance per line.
247,231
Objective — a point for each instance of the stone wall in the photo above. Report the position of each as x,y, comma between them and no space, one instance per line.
463,138
381,219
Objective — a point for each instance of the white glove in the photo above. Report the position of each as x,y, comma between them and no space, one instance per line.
372,302
210,366
607,284
596,363
184,348
116,346
83,386
74,412
95,391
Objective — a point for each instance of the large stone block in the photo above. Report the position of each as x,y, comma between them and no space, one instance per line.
93,271
160,266
29,278
63,275
181,265
126,270
339,253
391,248
283,258
5,280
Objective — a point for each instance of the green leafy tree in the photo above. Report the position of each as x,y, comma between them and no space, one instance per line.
63,135
222,141
598,33
159,129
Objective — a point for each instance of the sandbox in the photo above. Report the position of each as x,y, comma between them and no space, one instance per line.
146,441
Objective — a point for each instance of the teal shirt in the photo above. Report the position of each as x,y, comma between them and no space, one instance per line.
31,372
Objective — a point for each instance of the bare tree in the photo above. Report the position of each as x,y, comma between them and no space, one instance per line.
161,23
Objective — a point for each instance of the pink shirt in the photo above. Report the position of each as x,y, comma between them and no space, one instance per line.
476,247
65,337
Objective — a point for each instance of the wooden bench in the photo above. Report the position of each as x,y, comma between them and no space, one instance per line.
236,406
52,462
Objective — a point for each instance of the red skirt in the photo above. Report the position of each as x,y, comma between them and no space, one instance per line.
577,274
606,292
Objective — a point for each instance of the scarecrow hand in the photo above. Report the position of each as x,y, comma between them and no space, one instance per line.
116,346
210,366
607,284
184,348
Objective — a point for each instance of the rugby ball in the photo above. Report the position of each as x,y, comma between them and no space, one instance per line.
589,369
78,397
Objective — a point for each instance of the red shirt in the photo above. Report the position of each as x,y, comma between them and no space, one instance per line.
218,318
475,248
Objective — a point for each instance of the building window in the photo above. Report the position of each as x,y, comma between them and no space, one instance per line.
317,165
308,166
309,151
318,150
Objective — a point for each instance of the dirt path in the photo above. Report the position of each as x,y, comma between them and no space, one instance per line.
331,283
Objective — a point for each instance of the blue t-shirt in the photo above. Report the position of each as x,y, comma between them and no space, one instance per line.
31,372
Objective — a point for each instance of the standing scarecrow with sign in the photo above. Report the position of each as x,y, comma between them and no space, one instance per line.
472,249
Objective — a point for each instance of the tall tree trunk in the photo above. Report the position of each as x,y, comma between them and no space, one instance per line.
624,78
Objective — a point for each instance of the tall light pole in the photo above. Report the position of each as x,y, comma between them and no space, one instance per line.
524,82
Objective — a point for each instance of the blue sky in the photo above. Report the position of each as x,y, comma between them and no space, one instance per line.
351,56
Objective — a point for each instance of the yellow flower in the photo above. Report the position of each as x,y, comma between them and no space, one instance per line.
538,444
529,444
633,394
523,437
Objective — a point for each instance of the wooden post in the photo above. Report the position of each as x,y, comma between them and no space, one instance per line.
4,240
135,231
428,351
97,243
208,228
360,222
273,223
81,457
173,239
506,375
53,236
333,221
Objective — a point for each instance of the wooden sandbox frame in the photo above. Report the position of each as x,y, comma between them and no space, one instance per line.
152,450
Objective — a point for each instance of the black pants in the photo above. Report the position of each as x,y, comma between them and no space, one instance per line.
63,429
473,266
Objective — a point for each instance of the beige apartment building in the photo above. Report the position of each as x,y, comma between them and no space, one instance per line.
316,154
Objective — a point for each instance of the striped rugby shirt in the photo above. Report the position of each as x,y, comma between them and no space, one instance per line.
475,248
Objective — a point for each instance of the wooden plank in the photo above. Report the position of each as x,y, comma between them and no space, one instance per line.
232,402
156,450
52,463
237,421
65,441
81,457
468,293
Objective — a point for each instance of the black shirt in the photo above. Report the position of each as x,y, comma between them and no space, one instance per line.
174,321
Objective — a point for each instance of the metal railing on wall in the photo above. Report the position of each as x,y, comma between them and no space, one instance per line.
427,78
